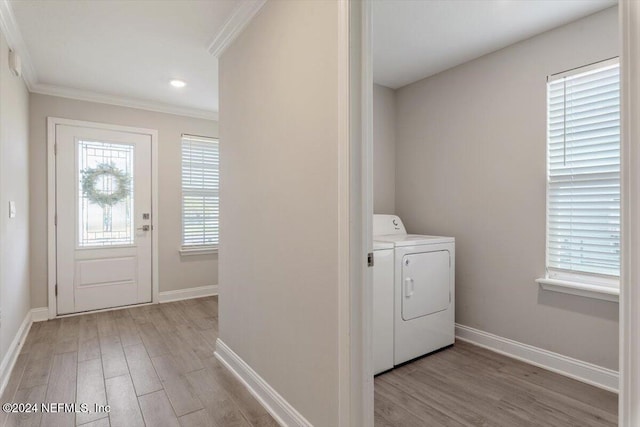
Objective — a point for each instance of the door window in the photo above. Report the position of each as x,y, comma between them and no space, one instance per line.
105,194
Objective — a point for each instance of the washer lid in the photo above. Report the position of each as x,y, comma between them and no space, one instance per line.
414,239
378,246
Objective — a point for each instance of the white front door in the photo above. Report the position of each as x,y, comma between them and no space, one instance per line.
104,221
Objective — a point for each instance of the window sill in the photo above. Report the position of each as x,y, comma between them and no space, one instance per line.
192,251
605,293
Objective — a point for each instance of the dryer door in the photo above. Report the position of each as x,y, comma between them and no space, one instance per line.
425,284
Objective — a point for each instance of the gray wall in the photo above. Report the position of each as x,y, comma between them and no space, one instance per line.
279,203
384,150
14,185
471,164
176,272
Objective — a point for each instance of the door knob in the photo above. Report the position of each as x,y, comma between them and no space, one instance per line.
144,228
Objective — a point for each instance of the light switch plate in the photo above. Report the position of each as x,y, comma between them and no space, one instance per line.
12,209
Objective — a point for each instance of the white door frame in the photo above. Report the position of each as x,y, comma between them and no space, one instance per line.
52,272
629,370
361,235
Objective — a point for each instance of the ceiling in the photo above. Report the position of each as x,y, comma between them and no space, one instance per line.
125,50
414,39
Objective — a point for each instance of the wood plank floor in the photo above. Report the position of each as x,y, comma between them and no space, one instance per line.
153,365
469,386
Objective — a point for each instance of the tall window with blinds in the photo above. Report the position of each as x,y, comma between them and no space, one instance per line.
583,194
200,195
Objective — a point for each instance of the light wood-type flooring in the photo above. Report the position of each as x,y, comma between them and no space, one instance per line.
154,365
466,385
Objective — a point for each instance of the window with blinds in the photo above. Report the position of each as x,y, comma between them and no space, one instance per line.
583,194
200,195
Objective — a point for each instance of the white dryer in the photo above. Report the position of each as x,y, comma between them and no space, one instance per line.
424,289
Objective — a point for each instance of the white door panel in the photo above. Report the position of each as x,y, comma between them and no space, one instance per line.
103,252
425,284
106,270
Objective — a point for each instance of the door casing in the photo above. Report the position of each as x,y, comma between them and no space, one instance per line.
629,304
52,272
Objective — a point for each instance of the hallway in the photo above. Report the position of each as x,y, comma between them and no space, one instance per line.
154,366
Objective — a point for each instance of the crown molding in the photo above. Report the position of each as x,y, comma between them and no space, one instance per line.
238,20
11,31
122,101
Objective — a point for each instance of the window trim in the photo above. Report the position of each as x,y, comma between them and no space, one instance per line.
195,249
570,282
584,68
605,293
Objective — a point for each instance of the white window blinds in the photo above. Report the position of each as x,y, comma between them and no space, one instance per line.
200,184
583,195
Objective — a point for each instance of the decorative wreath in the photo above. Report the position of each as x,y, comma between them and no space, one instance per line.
99,197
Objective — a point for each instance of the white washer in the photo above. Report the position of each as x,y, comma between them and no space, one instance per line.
424,289
383,297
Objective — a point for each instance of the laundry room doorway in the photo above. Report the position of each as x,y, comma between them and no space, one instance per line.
412,174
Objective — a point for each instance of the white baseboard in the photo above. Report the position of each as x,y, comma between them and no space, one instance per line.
573,368
181,294
39,314
285,414
9,359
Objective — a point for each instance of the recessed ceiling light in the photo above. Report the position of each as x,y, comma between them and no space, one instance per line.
178,83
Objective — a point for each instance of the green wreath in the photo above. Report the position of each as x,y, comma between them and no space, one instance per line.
101,198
